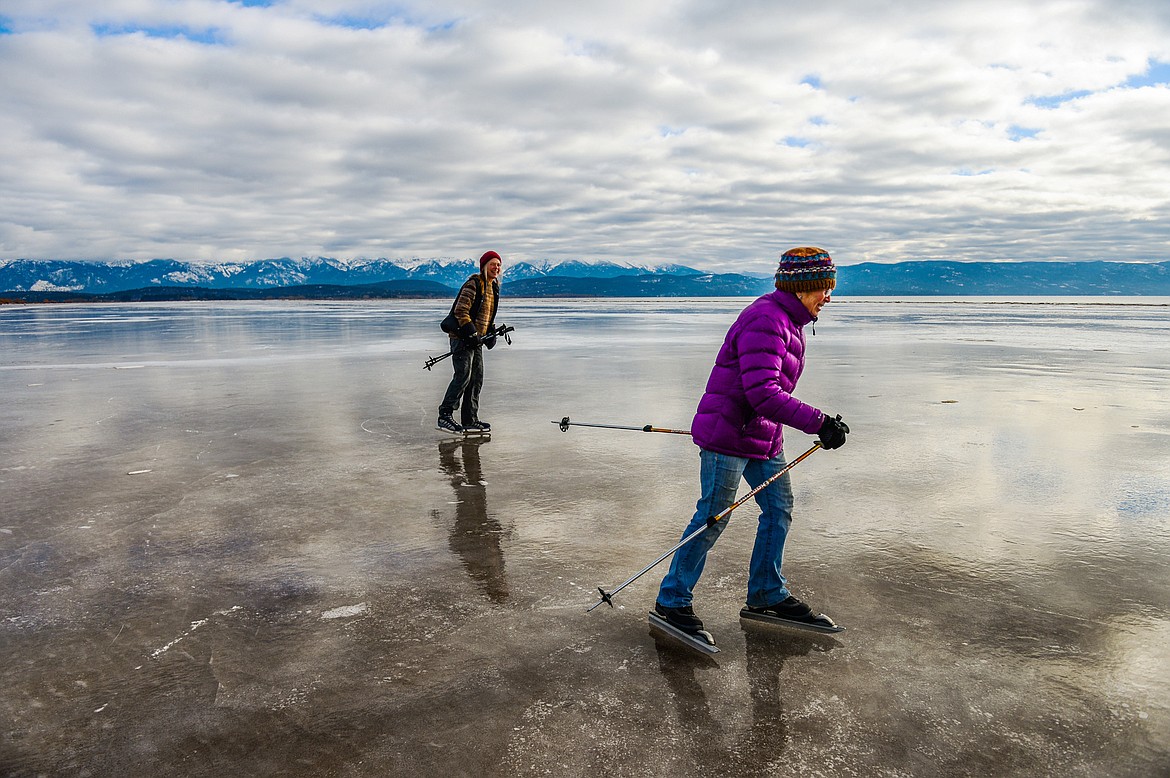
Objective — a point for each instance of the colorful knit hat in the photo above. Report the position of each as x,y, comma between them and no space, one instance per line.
806,269
488,256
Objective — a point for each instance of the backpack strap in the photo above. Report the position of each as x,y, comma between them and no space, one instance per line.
476,303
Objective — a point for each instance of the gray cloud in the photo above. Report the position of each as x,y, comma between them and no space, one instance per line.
714,135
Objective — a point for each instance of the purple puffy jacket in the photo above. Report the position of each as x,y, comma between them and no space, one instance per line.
749,393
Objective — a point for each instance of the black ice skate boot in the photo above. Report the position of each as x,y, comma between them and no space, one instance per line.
477,426
791,613
684,625
684,618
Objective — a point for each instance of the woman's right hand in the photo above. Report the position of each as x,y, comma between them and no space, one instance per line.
832,432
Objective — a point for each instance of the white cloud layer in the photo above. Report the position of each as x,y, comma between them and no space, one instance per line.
711,134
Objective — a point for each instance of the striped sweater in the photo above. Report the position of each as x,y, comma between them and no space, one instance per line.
487,309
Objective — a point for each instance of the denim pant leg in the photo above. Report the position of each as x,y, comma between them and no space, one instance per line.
461,362
474,385
719,477
766,584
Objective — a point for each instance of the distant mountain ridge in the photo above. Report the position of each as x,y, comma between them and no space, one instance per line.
324,278
649,285
26,275
1003,279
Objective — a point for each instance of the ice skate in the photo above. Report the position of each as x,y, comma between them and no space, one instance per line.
477,427
683,625
791,613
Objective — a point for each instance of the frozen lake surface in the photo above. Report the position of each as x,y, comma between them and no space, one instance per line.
231,543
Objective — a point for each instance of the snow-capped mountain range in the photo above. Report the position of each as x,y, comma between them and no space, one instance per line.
58,279
26,275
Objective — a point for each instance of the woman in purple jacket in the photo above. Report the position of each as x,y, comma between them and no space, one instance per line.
738,428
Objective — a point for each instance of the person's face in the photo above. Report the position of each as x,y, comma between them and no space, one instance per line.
492,269
815,300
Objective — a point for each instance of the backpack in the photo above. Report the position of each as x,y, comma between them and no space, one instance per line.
450,324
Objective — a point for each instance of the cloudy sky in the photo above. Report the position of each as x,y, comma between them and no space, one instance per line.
714,134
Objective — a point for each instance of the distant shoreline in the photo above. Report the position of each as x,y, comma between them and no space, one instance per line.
1150,301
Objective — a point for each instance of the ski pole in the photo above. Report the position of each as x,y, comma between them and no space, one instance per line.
565,424
432,361
607,597
503,329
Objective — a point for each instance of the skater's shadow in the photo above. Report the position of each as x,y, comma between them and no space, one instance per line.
475,536
678,665
768,649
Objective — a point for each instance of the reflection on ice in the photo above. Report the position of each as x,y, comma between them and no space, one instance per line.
475,535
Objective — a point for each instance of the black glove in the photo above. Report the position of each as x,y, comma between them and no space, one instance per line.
832,432
468,335
490,342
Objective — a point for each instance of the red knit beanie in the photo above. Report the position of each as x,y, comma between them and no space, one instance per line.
487,257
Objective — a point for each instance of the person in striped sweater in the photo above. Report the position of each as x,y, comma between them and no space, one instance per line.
475,311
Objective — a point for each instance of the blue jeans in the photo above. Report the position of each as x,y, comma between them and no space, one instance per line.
466,383
719,479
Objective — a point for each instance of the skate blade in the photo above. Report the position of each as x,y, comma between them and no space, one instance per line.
824,629
699,642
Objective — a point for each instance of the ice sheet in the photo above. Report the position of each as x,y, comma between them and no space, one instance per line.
995,535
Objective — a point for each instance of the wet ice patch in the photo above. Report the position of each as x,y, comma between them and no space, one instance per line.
1143,497
346,611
